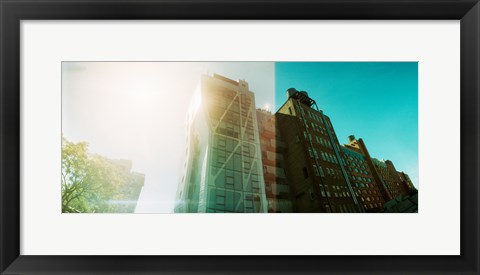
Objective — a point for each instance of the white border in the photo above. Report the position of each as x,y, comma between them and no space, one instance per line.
434,231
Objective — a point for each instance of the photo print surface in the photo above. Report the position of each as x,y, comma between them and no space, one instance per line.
239,137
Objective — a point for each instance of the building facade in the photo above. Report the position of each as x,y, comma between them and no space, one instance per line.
390,177
383,177
274,172
242,159
222,171
407,182
318,179
366,186
124,194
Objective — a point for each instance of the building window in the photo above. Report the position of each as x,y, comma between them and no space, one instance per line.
315,170
220,200
310,152
321,171
300,195
221,143
305,172
220,160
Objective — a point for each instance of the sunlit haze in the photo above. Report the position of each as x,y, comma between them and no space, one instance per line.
136,111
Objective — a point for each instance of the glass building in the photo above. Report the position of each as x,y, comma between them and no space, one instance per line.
222,171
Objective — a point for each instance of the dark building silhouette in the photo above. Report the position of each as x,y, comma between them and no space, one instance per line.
407,182
318,179
403,204
326,177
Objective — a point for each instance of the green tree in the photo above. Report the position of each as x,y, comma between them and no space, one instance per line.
75,176
94,183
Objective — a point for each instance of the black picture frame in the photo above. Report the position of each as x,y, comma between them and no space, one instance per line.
13,11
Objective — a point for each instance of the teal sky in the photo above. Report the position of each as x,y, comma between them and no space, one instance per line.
376,101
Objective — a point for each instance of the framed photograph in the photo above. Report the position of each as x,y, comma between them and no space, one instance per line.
160,137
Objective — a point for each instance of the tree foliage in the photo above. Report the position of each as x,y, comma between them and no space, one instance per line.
93,184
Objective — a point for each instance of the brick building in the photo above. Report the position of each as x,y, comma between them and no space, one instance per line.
327,177
318,180
277,189
366,185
